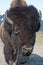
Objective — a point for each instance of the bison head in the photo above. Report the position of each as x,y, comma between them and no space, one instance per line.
22,23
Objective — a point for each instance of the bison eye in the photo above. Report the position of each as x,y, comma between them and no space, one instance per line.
16,31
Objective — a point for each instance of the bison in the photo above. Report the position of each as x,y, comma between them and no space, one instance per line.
18,32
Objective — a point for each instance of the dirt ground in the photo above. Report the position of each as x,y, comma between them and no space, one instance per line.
36,58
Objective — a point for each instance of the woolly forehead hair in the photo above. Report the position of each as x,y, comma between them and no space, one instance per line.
27,10
16,11
19,3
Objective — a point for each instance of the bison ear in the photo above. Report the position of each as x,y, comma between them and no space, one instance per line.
35,18
37,27
36,21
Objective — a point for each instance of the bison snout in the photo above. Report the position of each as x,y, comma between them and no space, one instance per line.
27,50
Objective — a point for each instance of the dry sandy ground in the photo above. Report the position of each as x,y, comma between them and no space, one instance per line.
36,58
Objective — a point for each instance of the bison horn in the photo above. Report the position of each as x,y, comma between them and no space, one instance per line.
8,19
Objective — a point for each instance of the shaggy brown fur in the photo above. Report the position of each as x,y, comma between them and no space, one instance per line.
16,3
19,37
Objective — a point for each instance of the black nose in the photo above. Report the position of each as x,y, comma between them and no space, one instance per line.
27,51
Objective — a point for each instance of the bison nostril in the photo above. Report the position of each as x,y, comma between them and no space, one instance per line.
27,53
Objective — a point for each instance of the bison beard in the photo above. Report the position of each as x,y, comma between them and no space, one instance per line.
19,36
